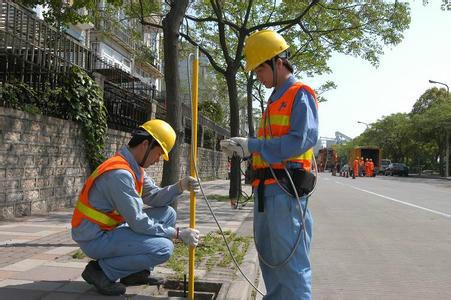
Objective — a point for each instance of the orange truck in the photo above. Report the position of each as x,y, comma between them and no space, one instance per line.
326,159
375,153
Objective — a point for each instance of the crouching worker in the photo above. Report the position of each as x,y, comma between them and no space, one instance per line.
110,224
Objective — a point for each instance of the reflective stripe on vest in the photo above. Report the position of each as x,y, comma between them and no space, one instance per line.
84,210
278,124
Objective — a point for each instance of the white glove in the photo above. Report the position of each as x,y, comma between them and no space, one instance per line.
189,236
237,145
189,183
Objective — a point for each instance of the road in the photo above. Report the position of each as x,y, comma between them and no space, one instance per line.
381,238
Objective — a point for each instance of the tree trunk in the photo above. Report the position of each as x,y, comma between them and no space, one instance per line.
171,29
442,160
235,172
250,112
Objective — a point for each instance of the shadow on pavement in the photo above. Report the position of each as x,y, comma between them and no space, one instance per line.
57,290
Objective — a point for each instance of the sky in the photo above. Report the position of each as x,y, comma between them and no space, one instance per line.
365,93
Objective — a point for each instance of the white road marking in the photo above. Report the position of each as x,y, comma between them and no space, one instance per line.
399,201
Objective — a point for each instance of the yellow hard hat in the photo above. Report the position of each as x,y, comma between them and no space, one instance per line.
163,133
262,46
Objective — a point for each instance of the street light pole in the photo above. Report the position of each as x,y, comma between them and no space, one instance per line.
447,131
367,125
437,82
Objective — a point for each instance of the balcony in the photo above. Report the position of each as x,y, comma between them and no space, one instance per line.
146,58
110,26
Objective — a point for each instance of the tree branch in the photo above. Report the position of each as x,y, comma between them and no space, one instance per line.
289,23
145,23
272,11
215,65
221,30
212,19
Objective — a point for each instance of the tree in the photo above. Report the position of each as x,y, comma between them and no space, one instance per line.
171,31
430,98
62,13
417,138
315,29
431,116
392,135
144,11
211,110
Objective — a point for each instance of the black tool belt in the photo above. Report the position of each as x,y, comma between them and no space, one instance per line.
303,180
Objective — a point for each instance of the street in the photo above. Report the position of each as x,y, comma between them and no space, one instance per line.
381,238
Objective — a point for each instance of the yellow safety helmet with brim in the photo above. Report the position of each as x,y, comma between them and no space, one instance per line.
163,133
262,46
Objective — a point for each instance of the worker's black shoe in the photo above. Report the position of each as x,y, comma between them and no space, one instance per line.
94,275
141,278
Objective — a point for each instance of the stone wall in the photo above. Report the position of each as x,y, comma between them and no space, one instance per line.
43,164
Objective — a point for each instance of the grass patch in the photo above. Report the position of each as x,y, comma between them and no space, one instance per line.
210,252
78,254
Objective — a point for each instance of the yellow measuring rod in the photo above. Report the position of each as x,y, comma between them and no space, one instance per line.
192,203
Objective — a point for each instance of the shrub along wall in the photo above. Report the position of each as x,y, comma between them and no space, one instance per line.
43,163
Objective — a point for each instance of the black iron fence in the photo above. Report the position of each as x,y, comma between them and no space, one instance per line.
39,55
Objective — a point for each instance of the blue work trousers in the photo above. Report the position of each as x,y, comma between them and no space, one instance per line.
121,252
276,231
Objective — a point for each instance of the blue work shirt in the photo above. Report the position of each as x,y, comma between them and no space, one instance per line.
115,190
302,136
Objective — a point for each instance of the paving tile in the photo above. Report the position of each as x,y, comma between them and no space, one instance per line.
79,278
141,290
11,242
17,294
97,296
6,274
69,264
30,229
61,296
162,271
39,285
4,235
43,256
23,265
39,233
14,282
62,250
49,273
74,287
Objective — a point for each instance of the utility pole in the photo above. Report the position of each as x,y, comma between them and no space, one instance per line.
447,130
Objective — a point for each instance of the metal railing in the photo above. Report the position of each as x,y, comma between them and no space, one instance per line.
39,55
110,25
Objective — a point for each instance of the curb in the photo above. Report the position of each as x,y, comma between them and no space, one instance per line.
240,289
429,176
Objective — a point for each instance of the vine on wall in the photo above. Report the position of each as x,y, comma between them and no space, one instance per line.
77,98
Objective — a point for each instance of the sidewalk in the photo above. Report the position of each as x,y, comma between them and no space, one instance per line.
35,261
429,176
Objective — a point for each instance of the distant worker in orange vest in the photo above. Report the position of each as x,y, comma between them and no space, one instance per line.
356,168
371,163
110,223
361,167
367,168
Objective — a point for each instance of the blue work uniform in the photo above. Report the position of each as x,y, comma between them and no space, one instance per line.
145,240
276,228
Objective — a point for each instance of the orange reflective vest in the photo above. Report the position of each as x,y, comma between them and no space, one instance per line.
84,210
278,124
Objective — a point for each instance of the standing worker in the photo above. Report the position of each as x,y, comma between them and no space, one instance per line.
288,131
371,167
355,168
367,168
361,167
109,222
